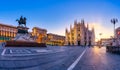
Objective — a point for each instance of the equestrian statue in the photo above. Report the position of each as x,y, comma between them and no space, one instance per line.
22,21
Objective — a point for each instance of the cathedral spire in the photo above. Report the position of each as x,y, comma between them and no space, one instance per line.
82,21
88,26
66,30
75,22
93,29
70,26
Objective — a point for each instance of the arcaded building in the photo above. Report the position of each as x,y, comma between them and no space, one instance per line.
54,39
7,32
80,34
41,34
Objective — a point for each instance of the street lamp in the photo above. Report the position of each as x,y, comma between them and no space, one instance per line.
114,21
100,39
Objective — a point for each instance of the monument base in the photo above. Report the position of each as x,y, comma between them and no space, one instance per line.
22,30
24,44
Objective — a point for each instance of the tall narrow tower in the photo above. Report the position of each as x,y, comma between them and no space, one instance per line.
66,36
75,32
93,36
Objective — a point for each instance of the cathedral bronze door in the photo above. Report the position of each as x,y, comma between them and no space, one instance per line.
85,43
79,43
69,43
89,43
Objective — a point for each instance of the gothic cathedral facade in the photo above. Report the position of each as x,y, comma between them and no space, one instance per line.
80,35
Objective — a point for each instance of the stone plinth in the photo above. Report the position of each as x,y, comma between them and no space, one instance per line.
22,30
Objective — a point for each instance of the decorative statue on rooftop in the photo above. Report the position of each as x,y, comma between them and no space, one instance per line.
22,21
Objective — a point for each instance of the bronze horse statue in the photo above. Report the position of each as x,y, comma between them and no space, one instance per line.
22,21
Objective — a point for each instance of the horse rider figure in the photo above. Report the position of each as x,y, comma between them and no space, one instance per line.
22,21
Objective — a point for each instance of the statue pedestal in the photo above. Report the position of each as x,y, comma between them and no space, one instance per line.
23,35
22,30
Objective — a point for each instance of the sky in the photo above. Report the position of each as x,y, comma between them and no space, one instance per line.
57,15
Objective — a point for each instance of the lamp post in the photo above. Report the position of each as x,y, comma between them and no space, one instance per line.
114,21
100,39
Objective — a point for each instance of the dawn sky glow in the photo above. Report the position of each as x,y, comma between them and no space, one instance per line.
57,15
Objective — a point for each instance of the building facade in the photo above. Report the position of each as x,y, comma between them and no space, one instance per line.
41,34
105,41
80,34
53,39
117,32
7,32
117,35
